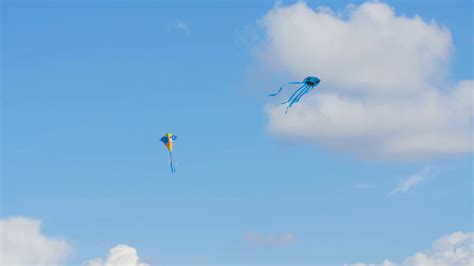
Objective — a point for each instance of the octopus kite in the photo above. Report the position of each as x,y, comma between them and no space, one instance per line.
308,84
168,140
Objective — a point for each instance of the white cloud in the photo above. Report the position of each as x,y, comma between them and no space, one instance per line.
456,249
22,243
411,181
119,255
384,263
270,240
383,91
181,25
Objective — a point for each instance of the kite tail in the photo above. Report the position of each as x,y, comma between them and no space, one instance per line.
278,92
298,91
173,169
281,88
297,96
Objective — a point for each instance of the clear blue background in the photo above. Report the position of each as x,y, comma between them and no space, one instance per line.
89,88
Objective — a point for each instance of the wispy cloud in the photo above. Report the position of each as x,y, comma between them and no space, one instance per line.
270,240
182,26
412,181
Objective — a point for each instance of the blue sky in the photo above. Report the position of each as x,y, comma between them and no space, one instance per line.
89,88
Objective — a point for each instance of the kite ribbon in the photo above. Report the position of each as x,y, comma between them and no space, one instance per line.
173,169
281,88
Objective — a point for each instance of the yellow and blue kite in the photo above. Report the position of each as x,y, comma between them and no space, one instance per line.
168,139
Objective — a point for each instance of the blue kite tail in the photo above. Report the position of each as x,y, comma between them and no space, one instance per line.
276,93
303,87
281,88
173,169
296,97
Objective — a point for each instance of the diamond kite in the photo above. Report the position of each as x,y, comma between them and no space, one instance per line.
169,140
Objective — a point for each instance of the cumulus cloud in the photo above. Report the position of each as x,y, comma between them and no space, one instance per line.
23,243
270,240
383,93
119,255
456,249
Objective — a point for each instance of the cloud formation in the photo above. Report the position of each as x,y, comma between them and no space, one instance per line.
181,25
411,181
383,93
23,243
270,240
456,249
119,255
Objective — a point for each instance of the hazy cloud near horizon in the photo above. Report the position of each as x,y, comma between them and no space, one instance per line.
118,256
456,249
23,243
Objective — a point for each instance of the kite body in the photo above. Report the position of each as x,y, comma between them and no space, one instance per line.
169,140
308,84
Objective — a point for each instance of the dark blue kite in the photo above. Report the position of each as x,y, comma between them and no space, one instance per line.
308,84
